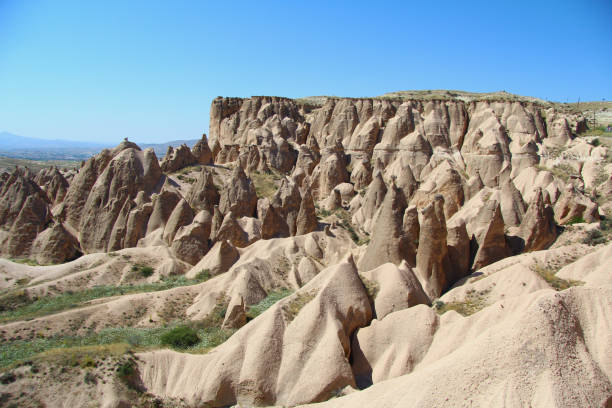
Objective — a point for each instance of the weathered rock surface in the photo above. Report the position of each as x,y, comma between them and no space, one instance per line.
283,368
238,195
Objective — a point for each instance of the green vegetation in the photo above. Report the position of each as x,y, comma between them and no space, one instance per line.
266,184
296,304
576,220
186,179
180,337
189,169
553,280
18,305
371,287
115,341
25,261
560,171
473,302
345,222
273,297
144,270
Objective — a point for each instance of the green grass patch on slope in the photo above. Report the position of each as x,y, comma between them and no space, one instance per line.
473,302
549,275
78,350
17,305
273,297
266,184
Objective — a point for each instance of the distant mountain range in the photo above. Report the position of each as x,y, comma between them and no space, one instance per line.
21,147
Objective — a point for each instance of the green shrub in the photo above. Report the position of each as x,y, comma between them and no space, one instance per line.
576,220
146,271
595,142
203,275
180,337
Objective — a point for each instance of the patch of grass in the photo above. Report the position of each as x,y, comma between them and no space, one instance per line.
576,220
266,184
203,275
114,341
474,301
183,178
189,169
180,337
560,171
17,305
273,297
292,309
323,213
371,287
25,261
553,280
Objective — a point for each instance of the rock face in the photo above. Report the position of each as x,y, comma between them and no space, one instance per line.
489,236
177,159
432,259
55,245
127,173
398,288
538,229
419,192
238,195
387,243
201,151
203,195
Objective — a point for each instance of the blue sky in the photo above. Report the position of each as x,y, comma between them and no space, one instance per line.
103,70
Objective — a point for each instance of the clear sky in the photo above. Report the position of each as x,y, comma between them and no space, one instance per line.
103,70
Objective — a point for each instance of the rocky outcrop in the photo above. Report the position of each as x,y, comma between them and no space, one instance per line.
190,242
458,243
176,159
55,245
201,151
182,215
489,237
432,261
330,172
231,231
573,205
397,288
387,243
203,194
538,229
53,183
238,195
306,221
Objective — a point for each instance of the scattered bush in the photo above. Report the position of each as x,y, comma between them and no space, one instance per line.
595,142
7,378
180,337
594,237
